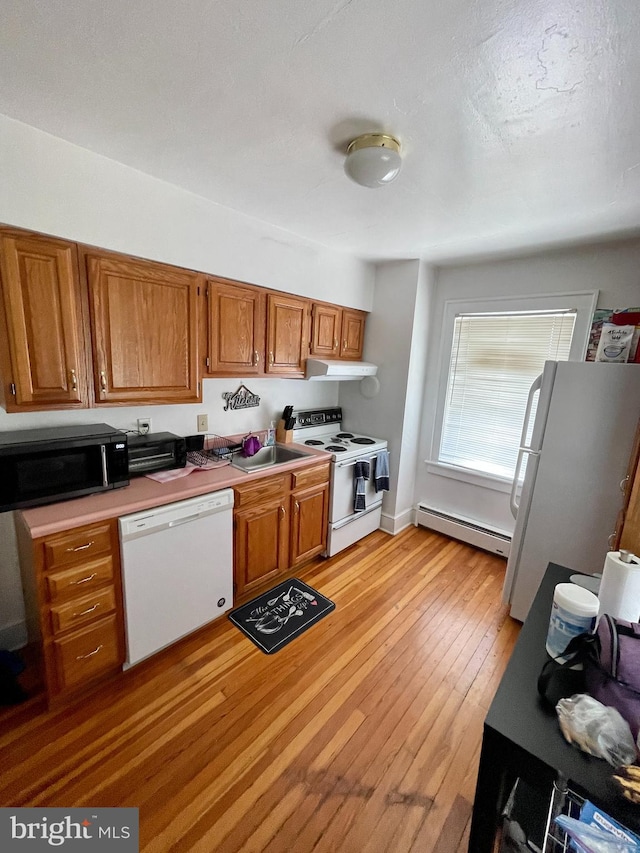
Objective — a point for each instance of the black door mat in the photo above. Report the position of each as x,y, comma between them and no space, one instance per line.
278,616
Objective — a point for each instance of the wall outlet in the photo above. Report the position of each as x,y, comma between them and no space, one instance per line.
203,423
144,425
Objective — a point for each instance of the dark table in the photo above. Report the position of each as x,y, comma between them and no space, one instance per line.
522,737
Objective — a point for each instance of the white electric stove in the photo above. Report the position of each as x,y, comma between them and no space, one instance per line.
322,429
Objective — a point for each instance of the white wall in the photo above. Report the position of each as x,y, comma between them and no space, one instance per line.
55,187
397,343
612,267
49,185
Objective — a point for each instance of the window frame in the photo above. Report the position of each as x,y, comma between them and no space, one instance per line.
584,301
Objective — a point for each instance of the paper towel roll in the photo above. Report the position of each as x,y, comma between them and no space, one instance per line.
620,587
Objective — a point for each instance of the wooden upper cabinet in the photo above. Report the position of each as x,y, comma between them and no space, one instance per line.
326,324
236,329
336,332
352,338
144,327
287,334
42,351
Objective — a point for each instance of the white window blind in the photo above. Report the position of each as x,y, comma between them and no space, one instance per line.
494,359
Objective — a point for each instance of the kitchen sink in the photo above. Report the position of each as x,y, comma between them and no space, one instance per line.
267,457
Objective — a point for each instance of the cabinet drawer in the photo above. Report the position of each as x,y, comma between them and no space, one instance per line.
80,580
311,477
261,490
81,544
86,654
80,611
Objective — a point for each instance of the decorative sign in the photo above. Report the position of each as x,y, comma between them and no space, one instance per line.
240,399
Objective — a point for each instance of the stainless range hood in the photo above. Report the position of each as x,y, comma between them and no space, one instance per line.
333,370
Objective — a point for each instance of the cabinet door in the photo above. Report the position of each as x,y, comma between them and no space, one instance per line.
352,340
236,329
325,331
44,357
628,530
309,515
260,544
145,331
287,334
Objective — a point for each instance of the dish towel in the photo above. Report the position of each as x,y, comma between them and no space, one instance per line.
381,478
360,474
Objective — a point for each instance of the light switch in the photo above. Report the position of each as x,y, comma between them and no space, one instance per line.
203,423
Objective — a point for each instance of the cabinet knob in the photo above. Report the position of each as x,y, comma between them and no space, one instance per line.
256,357
74,380
270,358
297,506
283,512
335,343
344,344
103,380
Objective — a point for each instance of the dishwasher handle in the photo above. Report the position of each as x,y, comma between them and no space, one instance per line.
185,520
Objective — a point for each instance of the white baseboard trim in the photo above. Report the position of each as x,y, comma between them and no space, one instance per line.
394,524
13,636
465,529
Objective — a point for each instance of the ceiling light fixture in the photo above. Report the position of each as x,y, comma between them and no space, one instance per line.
373,159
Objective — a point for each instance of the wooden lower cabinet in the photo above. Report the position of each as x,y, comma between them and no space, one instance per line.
280,521
73,600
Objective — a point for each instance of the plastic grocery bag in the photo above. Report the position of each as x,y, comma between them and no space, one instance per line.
596,729
589,839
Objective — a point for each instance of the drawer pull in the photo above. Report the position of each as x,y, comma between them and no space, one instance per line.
91,654
84,612
81,547
85,580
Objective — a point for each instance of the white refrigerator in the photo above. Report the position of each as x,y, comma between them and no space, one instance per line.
575,450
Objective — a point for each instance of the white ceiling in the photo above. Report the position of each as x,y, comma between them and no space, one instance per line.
519,119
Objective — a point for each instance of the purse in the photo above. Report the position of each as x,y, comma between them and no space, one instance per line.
610,670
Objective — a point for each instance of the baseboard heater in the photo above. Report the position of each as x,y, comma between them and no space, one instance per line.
464,529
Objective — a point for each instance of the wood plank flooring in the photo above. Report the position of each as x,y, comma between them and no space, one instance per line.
363,734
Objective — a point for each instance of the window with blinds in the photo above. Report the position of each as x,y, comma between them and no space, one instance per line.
494,359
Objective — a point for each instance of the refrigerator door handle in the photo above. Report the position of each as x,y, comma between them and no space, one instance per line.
514,504
535,386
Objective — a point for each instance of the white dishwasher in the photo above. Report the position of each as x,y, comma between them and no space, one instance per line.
177,570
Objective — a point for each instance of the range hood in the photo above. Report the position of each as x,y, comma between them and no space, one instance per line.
330,370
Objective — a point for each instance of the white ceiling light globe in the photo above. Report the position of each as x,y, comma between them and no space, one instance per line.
373,160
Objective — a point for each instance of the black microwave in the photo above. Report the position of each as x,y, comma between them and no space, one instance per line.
41,466
155,451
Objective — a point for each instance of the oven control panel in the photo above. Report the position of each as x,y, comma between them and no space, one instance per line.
318,417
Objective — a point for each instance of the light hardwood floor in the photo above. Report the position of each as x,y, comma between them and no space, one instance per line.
363,734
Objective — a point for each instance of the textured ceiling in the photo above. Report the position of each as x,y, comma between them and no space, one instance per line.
519,119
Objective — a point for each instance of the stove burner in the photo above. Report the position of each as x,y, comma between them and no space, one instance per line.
336,448
363,440
344,435
313,441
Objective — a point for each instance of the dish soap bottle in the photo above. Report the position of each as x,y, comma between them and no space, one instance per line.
271,434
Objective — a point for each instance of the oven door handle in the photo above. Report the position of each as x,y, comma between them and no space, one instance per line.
352,462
